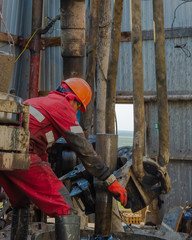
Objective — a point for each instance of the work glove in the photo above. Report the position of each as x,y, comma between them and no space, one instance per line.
117,190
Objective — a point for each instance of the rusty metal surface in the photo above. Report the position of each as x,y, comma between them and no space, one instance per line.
73,28
106,146
12,161
14,141
13,138
72,22
37,8
72,67
10,109
73,42
103,212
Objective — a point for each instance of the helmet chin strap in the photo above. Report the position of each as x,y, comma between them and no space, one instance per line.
63,90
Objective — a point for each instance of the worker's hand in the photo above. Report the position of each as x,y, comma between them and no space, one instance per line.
119,192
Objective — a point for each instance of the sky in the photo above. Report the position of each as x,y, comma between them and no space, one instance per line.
124,113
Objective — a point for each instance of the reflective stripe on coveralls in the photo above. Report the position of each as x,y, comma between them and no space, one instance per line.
39,117
39,184
36,114
49,135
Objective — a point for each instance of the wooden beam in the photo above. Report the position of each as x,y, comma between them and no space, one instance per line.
174,158
20,41
51,41
169,34
138,93
125,36
12,161
161,83
4,38
128,98
113,66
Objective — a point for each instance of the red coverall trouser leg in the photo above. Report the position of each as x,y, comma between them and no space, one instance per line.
38,184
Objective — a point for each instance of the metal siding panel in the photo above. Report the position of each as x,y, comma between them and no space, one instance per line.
124,74
183,13
147,15
178,66
20,24
126,21
180,122
181,186
17,15
180,129
20,21
180,117
51,69
149,66
22,67
152,132
51,59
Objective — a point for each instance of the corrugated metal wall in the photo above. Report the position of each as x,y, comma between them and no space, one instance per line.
51,61
178,64
179,82
17,15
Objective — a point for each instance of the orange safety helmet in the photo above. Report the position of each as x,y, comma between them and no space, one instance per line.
82,89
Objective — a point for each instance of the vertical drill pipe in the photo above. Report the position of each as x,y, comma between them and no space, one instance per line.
106,146
138,96
113,65
20,224
110,104
102,64
35,49
72,37
162,102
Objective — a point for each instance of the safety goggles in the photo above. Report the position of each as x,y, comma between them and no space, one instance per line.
79,105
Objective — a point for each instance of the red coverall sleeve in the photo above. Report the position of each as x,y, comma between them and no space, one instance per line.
64,124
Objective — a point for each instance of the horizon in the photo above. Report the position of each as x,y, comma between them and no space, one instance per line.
125,130
124,116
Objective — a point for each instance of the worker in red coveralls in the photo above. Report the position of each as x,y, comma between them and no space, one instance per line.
52,117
